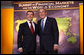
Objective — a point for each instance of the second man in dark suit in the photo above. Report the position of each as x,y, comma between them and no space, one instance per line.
48,32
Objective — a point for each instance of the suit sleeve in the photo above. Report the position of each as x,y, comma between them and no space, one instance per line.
38,28
19,39
55,31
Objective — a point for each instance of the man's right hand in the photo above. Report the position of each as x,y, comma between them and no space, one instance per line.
20,49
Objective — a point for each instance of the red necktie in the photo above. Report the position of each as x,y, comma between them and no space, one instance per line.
31,27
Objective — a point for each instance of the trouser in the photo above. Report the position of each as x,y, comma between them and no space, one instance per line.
44,51
28,52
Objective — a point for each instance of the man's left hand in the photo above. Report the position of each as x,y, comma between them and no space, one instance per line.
55,47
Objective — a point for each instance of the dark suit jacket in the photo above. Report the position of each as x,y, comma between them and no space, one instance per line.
26,39
50,35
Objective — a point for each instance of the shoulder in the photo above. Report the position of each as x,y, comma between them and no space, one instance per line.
39,20
34,22
51,18
23,24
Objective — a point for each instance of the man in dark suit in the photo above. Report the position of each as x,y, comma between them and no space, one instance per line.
48,32
27,35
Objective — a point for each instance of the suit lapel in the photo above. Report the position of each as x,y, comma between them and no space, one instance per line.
28,28
35,27
46,23
40,25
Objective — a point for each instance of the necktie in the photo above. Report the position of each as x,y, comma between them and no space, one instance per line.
42,25
31,27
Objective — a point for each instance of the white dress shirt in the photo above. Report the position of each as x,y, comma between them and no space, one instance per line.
29,24
44,21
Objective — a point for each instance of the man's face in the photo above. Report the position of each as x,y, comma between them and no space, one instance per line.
30,16
42,13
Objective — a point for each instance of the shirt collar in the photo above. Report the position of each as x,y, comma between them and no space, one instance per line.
29,21
45,18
